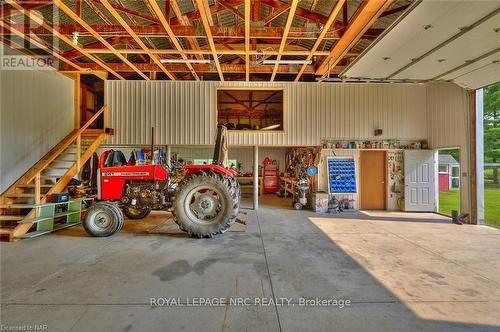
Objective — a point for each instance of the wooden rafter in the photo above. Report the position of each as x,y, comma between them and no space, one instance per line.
202,8
247,40
185,21
40,45
75,54
276,13
37,18
229,49
74,16
314,5
207,12
99,13
288,24
141,44
128,11
190,31
365,17
173,38
255,17
301,12
134,22
331,19
395,10
203,68
8,10
236,100
230,6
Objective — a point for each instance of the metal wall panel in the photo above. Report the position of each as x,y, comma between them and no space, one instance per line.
36,111
447,126
184,113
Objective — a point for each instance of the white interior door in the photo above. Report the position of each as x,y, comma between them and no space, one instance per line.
420,180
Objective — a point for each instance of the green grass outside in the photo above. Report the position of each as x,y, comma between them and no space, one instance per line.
450,200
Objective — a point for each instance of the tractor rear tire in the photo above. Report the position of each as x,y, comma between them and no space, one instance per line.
135,213
103,219
206,204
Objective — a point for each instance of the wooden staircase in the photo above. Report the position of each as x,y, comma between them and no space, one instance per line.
49,175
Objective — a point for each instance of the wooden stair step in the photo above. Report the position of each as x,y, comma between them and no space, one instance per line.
57,168
17,206
11,218
30,185
21,195
64,161
6,231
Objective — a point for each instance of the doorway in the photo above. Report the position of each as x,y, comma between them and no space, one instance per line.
91,100
449,180
373,177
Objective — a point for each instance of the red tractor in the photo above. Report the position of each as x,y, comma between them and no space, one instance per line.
205,201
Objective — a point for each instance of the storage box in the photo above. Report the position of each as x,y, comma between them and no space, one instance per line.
320,202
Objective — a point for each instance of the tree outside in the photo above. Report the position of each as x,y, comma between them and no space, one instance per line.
492,154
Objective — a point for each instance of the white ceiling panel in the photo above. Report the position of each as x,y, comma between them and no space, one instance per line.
495,57
430,32
469,46
481,77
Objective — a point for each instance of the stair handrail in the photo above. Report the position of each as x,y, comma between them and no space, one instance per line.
76,136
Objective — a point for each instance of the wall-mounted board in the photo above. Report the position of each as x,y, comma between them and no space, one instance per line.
341,175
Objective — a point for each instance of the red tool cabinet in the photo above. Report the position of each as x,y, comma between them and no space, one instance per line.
270,178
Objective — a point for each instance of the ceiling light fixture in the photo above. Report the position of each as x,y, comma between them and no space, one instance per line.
271,127
203,61
287,62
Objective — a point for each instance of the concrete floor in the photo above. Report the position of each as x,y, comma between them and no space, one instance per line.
401,272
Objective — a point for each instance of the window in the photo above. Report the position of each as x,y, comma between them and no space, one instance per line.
252,109
443,168
455,177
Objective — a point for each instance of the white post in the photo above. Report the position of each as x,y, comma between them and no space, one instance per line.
169,155
479,194
256,177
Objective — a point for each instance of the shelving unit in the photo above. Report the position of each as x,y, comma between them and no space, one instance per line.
48,220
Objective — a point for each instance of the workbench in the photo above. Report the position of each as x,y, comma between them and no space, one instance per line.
246,182
289,185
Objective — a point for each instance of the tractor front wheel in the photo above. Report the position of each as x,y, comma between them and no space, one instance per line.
103,219
206,204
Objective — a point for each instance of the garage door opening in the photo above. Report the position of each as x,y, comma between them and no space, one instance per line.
449,180
491,127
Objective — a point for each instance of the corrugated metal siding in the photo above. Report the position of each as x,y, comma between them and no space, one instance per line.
37,111
184,113
447,126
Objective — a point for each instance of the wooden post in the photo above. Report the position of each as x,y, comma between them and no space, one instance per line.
78,151
77,101
256,177
38,192
169,155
